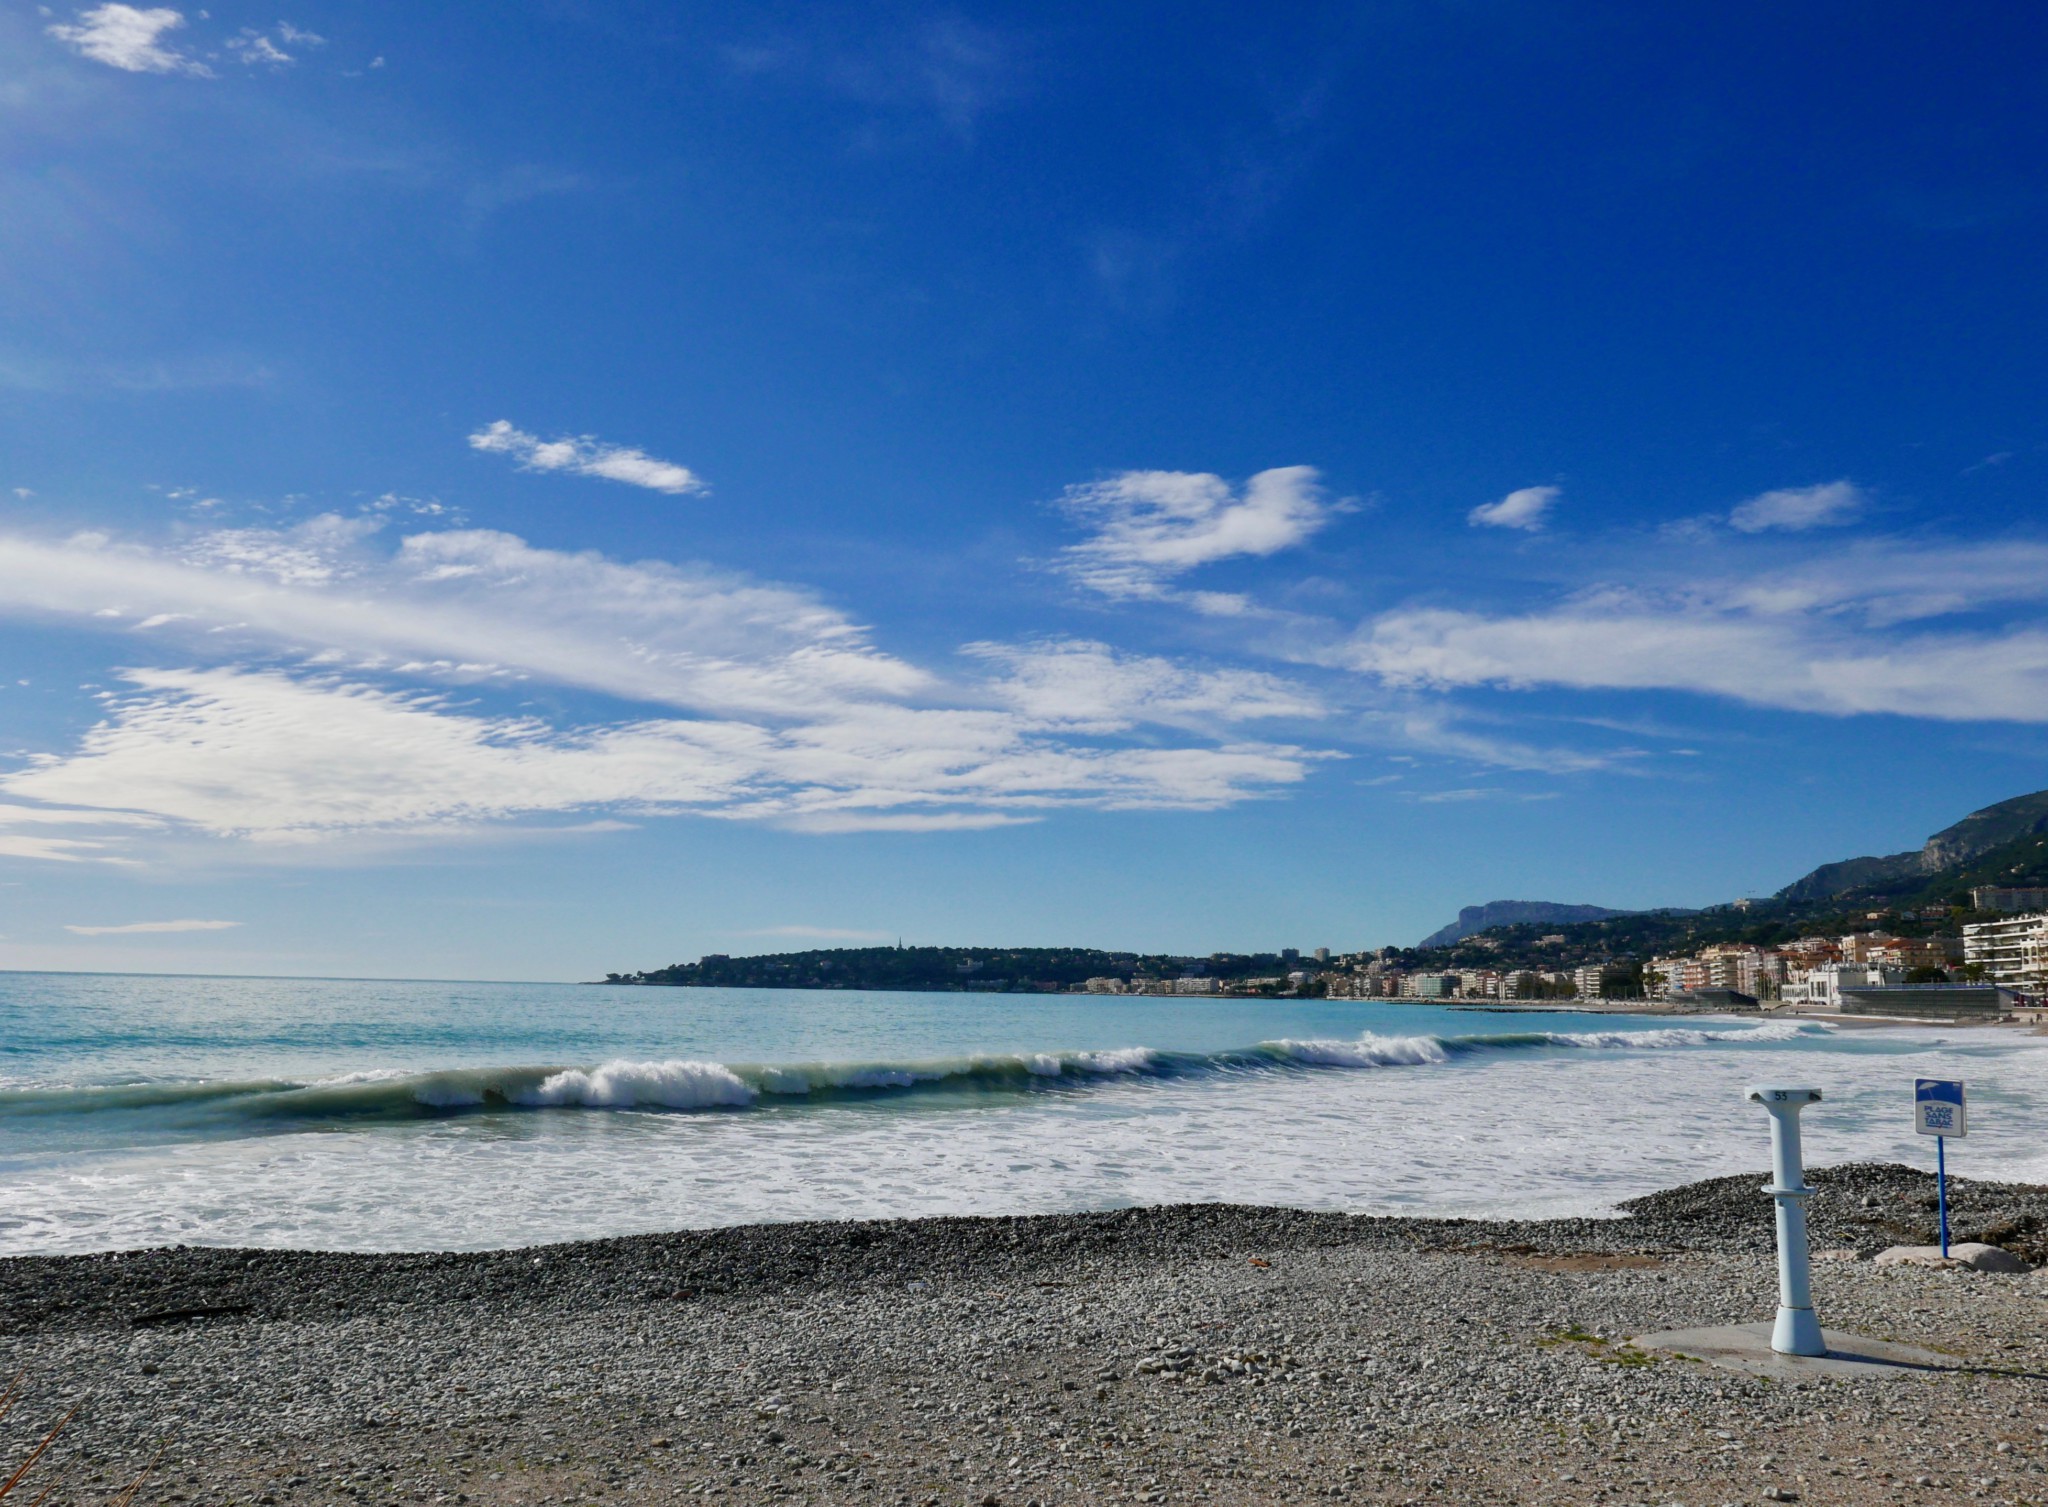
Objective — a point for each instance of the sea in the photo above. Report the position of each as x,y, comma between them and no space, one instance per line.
371,1115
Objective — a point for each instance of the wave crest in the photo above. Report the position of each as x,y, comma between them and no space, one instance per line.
694,1085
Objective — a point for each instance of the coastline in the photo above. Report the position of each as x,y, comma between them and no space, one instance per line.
1200,1352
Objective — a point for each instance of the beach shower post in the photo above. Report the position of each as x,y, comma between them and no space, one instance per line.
1797,1331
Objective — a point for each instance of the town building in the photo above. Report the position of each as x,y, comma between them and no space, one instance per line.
2012,951
1995,897
1104,986
1919,952
1860,947
1811,952
1930,1001
1592,981
1821,988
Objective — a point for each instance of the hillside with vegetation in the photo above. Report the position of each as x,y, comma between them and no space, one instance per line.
1922,893
998,970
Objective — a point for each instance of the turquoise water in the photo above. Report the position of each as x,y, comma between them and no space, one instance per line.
380,1114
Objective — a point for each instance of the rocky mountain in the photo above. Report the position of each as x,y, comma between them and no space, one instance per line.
1477,918
1957,847
2002,844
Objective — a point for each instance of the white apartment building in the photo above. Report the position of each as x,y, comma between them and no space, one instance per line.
2013,951
1821,988
2000,898
1591,981
1662,976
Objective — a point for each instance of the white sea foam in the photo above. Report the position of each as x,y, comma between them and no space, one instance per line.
231,1129
1367,1051
1110,1063
623,1085
1687,1036
1513,1135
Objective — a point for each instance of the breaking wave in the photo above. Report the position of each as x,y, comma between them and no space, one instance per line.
690,1085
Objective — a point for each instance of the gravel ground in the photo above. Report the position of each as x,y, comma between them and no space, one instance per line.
1203,1353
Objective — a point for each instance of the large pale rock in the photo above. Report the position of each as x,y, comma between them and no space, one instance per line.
1971,1253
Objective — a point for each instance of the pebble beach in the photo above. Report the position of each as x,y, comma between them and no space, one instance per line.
1203,1353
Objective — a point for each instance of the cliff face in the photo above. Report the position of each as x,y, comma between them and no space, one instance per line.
1981,831
1476,918
1857,874
1951,848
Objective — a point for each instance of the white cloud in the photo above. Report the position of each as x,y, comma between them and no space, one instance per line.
1438,728
129,38
252,47
1626,641
1151,526
134,927
469,605
1886,581
102,847
585,455
50,849
1525,508
1086,686
275,757
793,717
1792,508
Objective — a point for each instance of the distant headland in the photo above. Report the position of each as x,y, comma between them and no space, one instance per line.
1991,863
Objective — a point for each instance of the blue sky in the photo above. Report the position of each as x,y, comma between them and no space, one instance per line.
529,490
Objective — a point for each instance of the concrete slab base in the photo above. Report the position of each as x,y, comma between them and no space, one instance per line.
1747,1347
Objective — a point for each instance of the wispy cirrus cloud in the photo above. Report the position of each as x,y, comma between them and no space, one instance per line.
1798,508
1085,685
130,38
1151,527
277,757
102,845
1623,640
586,455
134,928
1526,508
255,48
465,605
314,702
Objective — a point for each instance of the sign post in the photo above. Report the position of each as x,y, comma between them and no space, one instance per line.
1939,1110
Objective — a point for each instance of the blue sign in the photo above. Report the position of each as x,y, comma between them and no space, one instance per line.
1938,1107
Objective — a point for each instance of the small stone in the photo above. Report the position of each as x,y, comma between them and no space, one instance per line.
1780,1494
